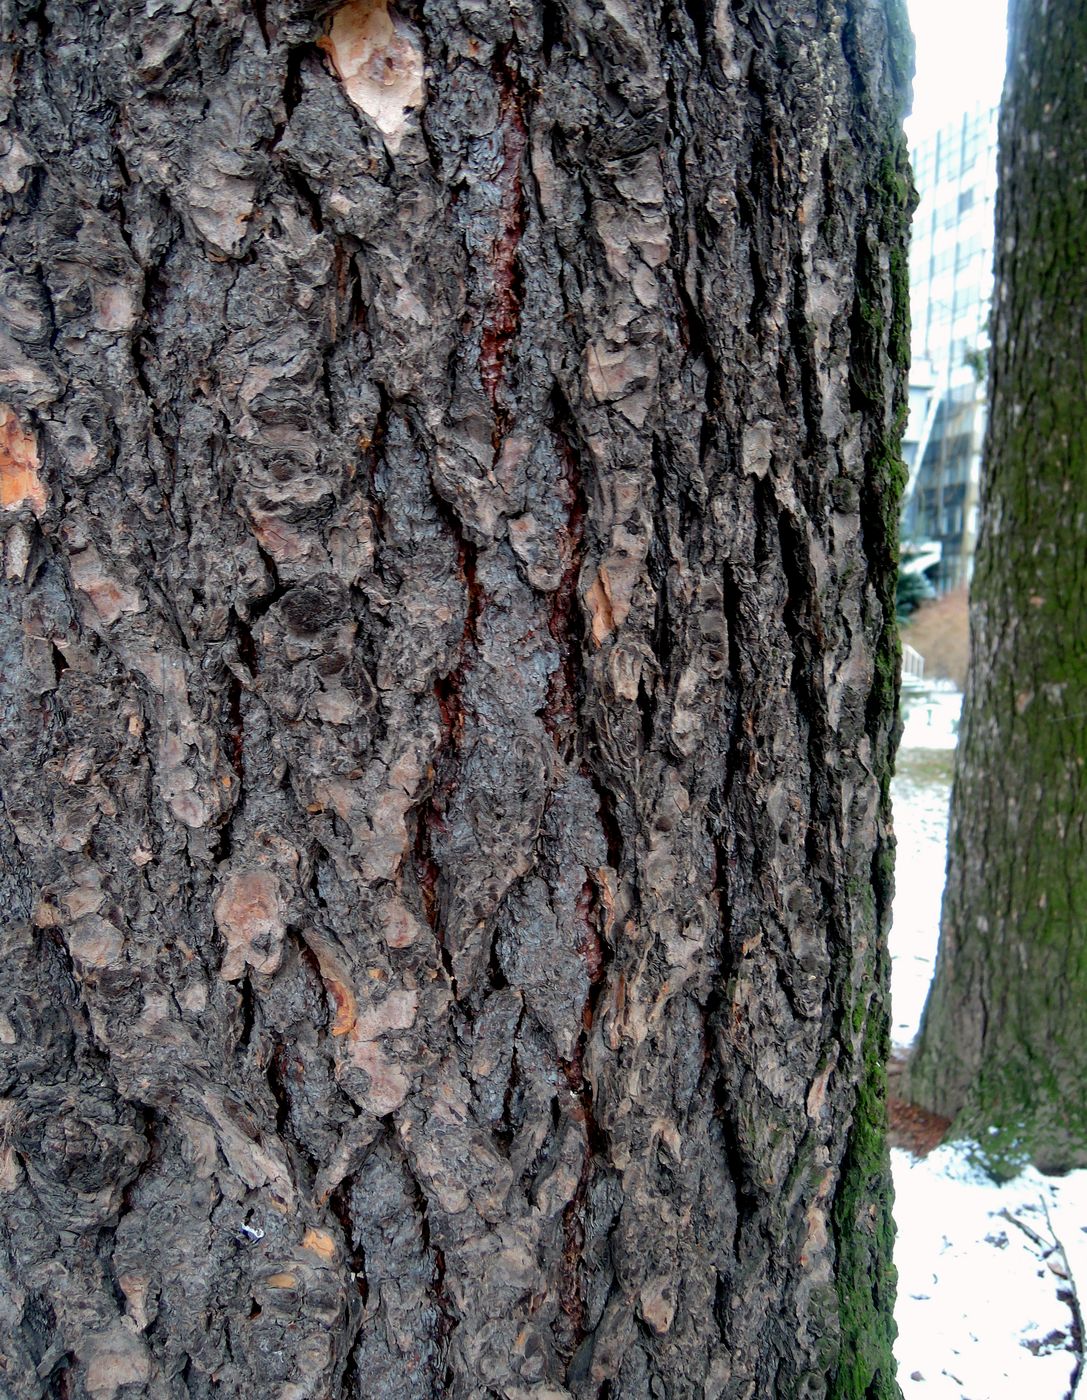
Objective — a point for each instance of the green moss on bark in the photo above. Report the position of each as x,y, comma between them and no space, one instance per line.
864,1236
862,1218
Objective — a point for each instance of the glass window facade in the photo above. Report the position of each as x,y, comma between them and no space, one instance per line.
951,283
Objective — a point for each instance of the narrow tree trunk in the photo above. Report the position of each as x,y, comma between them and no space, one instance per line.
1003,1045
450,477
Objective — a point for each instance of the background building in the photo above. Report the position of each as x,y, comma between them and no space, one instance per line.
951,279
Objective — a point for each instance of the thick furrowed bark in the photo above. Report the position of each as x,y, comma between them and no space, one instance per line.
450,694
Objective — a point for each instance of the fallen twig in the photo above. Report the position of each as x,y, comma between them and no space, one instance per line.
1006,1214
1069,1295
1073,1304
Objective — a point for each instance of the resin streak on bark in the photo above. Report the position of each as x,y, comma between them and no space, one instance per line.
500,326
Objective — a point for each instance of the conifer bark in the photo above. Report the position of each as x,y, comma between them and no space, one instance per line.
1003,1044
450,478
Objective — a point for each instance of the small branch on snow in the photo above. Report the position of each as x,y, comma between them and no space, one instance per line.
1073,1304
1006,1214
1070,1295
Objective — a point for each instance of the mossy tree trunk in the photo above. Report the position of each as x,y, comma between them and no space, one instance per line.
449,479
1003,1044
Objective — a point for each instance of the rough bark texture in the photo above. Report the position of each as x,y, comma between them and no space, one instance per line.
1003,1045
450,491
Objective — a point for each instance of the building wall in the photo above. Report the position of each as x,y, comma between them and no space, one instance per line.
951,282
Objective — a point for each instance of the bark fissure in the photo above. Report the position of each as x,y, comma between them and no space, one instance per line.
502,315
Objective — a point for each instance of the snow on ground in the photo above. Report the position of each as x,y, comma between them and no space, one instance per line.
979,1317
931,719
979,1312
921,791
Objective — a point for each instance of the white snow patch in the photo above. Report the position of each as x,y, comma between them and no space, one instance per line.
978,1312
931,720
973,1289
920,796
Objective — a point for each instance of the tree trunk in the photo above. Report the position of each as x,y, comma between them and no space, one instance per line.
450,476
1003,1044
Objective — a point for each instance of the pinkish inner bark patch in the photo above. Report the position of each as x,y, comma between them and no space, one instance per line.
379,60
